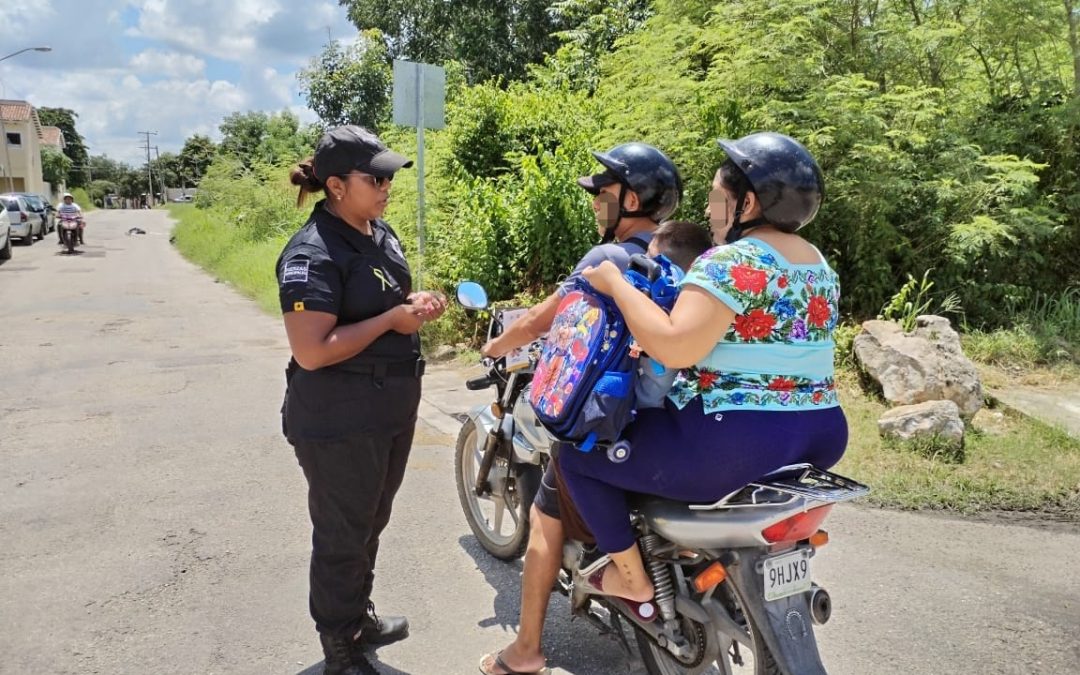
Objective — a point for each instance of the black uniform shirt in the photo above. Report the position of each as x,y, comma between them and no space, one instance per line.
331,267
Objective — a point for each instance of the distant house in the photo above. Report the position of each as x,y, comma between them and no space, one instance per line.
53,136
20,155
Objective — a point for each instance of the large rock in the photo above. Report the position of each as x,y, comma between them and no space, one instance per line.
925,365
933,419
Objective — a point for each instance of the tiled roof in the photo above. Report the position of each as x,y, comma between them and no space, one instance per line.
52,136
15,111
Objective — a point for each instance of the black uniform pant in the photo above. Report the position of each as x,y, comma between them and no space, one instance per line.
352,482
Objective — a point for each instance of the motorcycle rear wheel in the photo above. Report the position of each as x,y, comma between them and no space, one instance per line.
756,661
487,516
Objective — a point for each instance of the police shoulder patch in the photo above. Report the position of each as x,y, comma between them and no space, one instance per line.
296,271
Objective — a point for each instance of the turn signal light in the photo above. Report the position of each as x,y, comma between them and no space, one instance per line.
713,575
497,410
798,527
819,538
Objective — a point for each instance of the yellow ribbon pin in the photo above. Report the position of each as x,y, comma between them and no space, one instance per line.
381,276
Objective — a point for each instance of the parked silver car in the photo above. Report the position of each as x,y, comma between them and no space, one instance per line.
44,210
25,224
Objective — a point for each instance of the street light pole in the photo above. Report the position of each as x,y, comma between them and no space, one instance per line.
28,49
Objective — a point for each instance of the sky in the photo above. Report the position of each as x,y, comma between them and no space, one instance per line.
176,67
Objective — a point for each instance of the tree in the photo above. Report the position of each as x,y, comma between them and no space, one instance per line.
492,38
55,166
195,158
102,167
166,170
286,141
1071,11
75,145
350,85
242,133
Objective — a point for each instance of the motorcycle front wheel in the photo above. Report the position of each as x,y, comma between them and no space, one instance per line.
499,519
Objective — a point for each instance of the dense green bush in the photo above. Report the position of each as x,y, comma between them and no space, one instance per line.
947,132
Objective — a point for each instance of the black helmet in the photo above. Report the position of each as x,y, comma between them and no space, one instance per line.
785,177
643,169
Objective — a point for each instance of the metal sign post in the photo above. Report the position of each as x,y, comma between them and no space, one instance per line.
419,101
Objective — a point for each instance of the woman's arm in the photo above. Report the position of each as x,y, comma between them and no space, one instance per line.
316,341
532,325
697,323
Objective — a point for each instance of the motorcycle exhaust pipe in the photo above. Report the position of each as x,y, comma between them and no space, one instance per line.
820,605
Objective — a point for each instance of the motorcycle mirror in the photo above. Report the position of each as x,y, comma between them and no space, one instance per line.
472,295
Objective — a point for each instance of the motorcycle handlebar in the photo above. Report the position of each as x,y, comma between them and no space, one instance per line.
478,383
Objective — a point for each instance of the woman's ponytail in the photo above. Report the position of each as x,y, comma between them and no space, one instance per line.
303,176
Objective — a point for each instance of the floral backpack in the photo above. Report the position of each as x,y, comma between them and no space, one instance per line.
583,387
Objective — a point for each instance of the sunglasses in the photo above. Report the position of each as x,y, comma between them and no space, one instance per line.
374,181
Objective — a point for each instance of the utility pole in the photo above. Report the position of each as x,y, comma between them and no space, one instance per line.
160,176
149,172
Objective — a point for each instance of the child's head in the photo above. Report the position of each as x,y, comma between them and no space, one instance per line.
680,241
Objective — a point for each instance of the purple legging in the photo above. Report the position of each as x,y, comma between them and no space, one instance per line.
690,456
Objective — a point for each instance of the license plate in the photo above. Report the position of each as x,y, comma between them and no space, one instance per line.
787,574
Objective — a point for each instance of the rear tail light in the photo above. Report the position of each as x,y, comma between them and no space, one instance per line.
798,527
22,216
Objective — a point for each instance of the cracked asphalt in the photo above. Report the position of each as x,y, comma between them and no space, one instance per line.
152,519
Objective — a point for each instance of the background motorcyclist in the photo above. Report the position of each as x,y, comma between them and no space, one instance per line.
752,332
69,210
638,188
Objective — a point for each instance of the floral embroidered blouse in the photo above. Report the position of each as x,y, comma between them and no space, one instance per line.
778,353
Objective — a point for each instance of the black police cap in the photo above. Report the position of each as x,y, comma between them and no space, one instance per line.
351,148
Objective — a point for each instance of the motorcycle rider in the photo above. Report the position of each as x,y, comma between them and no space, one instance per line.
638,188
752,332
69,210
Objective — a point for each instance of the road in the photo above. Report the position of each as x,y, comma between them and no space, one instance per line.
152,519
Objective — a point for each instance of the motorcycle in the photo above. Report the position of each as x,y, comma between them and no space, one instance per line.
70,231
733,581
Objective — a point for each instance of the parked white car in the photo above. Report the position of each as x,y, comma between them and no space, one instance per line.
5,235
25,224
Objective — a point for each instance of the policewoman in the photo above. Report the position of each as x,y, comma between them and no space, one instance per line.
353,383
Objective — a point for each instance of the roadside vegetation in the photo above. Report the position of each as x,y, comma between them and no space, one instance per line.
947,131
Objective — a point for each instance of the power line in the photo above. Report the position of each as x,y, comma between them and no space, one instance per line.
149,171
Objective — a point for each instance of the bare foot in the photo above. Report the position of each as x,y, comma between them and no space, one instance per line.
513,662
615,584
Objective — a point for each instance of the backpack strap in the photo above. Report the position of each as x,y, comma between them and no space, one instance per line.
639,242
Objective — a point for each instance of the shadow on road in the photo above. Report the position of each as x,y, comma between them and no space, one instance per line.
570,646
317,669
504,577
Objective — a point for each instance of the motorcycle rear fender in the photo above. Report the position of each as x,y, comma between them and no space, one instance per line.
785,624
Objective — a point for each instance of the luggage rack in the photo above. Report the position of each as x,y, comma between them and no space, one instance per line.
788,484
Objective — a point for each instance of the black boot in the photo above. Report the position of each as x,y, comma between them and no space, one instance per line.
382,630
344,657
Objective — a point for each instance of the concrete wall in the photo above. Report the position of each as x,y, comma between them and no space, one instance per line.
22,161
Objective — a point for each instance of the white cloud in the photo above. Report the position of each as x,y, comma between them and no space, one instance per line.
241,30
170,64
115,105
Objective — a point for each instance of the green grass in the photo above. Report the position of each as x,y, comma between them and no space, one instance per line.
1019,464
1044,334
209,242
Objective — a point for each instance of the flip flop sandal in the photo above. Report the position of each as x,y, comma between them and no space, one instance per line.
507,670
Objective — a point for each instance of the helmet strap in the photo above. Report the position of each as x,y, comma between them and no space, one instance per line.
739,228
609,231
